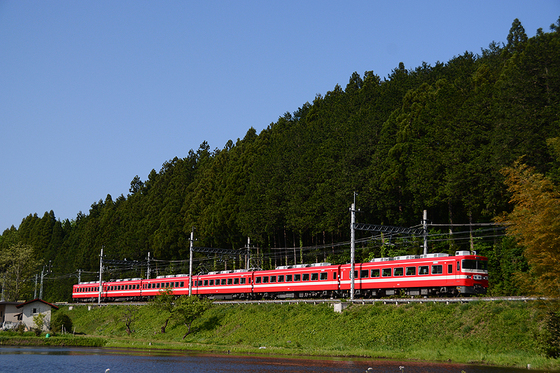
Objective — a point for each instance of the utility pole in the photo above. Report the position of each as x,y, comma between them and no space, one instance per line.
100,275
248,253
35,291
148,270
41,288
425,227
191,261
352,246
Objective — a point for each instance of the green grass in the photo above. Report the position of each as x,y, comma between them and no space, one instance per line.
500,333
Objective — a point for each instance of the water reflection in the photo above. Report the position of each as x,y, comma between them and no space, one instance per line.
57,359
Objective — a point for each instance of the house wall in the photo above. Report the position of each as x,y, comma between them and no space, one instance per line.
33,309
8,312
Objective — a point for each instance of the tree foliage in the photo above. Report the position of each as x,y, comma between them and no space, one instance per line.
535,223
18,264
188,309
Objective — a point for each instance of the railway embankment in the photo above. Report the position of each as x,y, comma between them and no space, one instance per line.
499,333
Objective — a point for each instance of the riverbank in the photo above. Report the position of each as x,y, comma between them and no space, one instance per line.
499,333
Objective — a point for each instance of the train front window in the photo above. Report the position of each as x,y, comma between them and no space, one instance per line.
475,264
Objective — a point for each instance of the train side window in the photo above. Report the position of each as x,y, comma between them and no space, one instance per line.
398,271
199,283
364,273
458,266
324,276
281,278
355,274
314,276
334,275
205,282
265,279
386,272
272,278
211,282
450,268
236,281
229,281
297,277
423,270
437,269
157,286
183,283
223,281
410,271
242,280
257,280
375,272
288,278
306,277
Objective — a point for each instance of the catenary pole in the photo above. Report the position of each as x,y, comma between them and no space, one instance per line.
352,246
100,275
191,260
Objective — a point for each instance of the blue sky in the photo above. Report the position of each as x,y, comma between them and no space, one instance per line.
93,93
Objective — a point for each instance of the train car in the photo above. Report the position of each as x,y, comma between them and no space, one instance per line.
122,289
85,291
298,281
431,274
178,284
224,284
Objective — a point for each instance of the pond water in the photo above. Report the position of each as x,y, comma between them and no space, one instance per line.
97,360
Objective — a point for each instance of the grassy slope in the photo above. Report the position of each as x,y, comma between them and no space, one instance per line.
484,332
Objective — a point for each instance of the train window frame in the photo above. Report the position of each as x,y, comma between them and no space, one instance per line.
458,265
205,283
315,276
297,277
211,282
386,272
334,275
236,281
272,279
398,271
223,282
375,273
183,283
437,269
324,276
258,280
450,268
289,278
242,281
305,277
265,280
280,278
364,273
230,281
410,271
423,270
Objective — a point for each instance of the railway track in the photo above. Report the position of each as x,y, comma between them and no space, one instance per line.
395,301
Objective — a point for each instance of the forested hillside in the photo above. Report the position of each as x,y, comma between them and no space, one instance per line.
427,138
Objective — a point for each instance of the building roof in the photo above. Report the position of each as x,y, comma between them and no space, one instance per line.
37,300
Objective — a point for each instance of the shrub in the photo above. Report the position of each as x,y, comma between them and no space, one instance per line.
61,322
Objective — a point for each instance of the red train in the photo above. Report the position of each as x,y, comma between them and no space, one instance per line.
464,273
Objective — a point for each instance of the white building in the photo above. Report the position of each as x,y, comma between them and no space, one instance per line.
34,308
